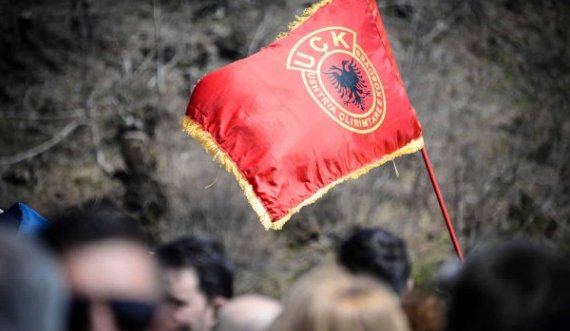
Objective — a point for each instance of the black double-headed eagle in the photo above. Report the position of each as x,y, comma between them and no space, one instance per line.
349,83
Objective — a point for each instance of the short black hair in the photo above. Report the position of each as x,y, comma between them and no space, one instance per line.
377,253
206,257
81,226
514,286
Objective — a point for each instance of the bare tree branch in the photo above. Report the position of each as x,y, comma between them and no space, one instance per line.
43,147
159,69
100,158
40,118
260,32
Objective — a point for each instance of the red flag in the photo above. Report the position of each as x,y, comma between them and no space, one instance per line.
316,107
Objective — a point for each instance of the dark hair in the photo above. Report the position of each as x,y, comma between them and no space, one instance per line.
514,286
378,253
206,257
78,227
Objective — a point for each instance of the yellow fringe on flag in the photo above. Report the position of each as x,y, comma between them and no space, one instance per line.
307,13
194,130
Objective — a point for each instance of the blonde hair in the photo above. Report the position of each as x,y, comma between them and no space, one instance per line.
330,299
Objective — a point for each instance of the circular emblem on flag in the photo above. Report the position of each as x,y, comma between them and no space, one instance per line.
340,78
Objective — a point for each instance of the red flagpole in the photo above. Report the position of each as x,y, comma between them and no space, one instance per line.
448,223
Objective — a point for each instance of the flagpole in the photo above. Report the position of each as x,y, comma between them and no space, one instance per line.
446,217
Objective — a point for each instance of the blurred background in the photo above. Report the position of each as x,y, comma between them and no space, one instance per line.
92,93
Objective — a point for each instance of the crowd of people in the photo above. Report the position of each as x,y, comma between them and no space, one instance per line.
95,270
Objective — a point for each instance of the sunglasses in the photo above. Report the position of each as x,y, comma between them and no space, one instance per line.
129,315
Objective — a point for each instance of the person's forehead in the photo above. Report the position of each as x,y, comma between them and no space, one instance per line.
185,278
111,268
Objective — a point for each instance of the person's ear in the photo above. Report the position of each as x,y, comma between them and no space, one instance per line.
218,302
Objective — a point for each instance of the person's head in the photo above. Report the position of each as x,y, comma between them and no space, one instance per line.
199,280
333,300
32,295
377,253
111,274
446,276
248,313
517,286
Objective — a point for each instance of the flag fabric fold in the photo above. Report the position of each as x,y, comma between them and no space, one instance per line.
321,104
